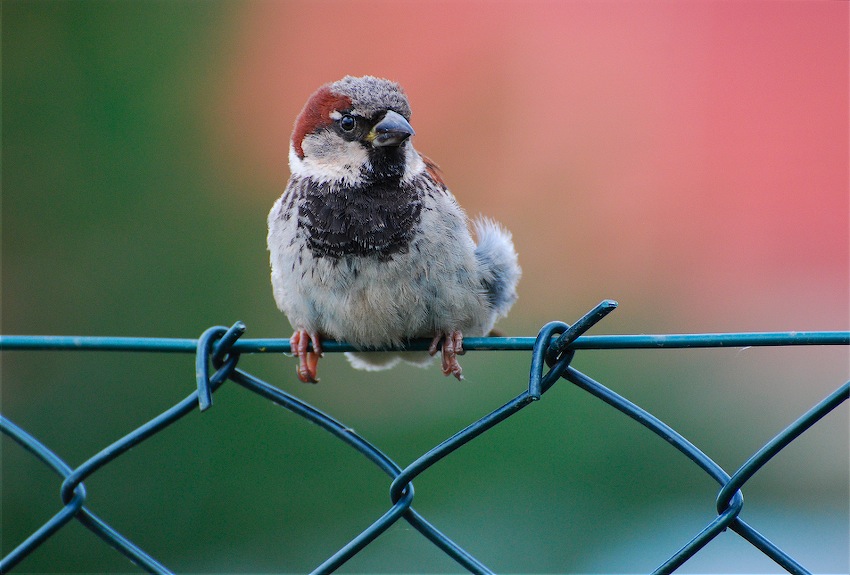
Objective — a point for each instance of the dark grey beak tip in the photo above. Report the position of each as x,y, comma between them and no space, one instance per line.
392,130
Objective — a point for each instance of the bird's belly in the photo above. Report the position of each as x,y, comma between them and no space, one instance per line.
373,303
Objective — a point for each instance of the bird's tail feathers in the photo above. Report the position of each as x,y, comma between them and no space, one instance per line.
498,265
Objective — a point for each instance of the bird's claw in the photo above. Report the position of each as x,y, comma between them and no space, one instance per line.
452,346
308,361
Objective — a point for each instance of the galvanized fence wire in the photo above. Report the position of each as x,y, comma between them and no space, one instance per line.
217,353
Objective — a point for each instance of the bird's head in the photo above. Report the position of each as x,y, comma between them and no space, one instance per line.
354,131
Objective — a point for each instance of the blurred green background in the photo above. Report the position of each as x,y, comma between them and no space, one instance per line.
688,160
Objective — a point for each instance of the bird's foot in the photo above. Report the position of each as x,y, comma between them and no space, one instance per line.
308,361
450,345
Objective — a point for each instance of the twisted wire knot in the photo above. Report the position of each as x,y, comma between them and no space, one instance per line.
558,354
215,347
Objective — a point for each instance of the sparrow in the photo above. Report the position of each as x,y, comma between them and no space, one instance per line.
368,245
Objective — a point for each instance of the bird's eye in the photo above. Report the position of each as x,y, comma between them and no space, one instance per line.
347,123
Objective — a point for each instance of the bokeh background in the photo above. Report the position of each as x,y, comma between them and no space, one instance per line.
689,160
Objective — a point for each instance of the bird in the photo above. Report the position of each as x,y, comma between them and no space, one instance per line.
367,244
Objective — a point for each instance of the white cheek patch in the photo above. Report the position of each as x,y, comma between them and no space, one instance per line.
328,158
413,164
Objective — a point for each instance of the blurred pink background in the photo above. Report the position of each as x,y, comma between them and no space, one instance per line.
691,154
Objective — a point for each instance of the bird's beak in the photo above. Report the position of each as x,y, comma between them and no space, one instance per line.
392,130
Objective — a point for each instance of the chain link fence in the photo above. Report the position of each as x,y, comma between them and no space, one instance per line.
218,351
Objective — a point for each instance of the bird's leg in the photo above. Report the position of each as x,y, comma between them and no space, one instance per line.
452,346
308,361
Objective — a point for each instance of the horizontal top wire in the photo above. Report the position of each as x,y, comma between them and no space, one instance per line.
636,341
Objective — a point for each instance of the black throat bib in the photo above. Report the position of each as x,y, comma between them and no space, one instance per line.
376,219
